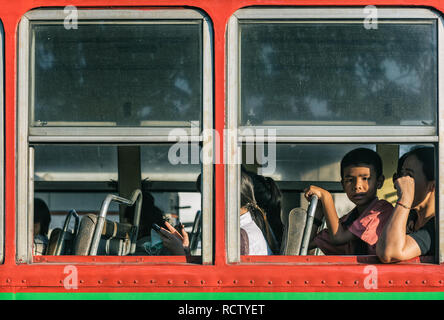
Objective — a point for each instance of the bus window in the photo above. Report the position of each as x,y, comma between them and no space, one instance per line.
106,108
73,177
1,147
332,84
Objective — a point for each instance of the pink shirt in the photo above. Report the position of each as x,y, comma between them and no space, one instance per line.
368,227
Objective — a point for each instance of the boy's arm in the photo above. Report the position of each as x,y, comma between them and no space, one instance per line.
338,234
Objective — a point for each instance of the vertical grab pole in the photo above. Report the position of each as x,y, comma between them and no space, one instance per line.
308,226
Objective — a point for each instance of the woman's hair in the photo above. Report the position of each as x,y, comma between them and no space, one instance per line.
248,201
268,197
426,156
42,215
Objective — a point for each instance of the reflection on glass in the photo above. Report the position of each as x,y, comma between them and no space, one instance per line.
117,75
157,163
300,162
75,163
338,74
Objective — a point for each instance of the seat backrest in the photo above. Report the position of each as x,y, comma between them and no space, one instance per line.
196,232
61,240
294,226
115,237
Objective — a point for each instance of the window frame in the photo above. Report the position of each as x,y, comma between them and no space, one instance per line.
319,134
2,144
27,135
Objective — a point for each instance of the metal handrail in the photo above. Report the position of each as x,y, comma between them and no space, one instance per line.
136,198
308,225
61,239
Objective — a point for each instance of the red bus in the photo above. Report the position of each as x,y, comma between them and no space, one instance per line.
156,105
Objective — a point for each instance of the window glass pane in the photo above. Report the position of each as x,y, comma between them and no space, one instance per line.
338,73
161,163
117,74
79,163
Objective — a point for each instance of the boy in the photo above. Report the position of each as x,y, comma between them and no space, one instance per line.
358,231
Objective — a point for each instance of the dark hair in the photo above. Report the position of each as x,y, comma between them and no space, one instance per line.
269,198
362,156
248,201
426,155
42,215
149,214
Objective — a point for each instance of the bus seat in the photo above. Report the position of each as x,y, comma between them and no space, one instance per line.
114,240
53,239
61,241
196,232
98,235
294,225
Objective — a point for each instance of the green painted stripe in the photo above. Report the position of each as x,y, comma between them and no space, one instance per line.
226,296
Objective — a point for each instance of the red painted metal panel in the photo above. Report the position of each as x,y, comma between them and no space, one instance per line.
117,274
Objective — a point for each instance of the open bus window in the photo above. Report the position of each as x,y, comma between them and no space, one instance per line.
102,105
280,195
309,84
80,178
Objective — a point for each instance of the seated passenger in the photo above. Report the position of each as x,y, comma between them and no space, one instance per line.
410,231
42,219
165,241
149,241
256,234
358,231
269,198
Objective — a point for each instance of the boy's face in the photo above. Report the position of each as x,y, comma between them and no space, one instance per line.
361,184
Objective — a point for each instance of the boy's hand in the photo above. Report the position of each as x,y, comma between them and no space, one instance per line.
317,191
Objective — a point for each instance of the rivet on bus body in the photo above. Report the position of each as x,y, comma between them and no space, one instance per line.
323,281
99,281
270,282
119,281
424,281
407,282
441,282
306,282
23,281
252,281
219,281
390,281
136,282
185,281
170,281
288,281
340,282
202,281
356,282
82,281
8,280
153,281
234,281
